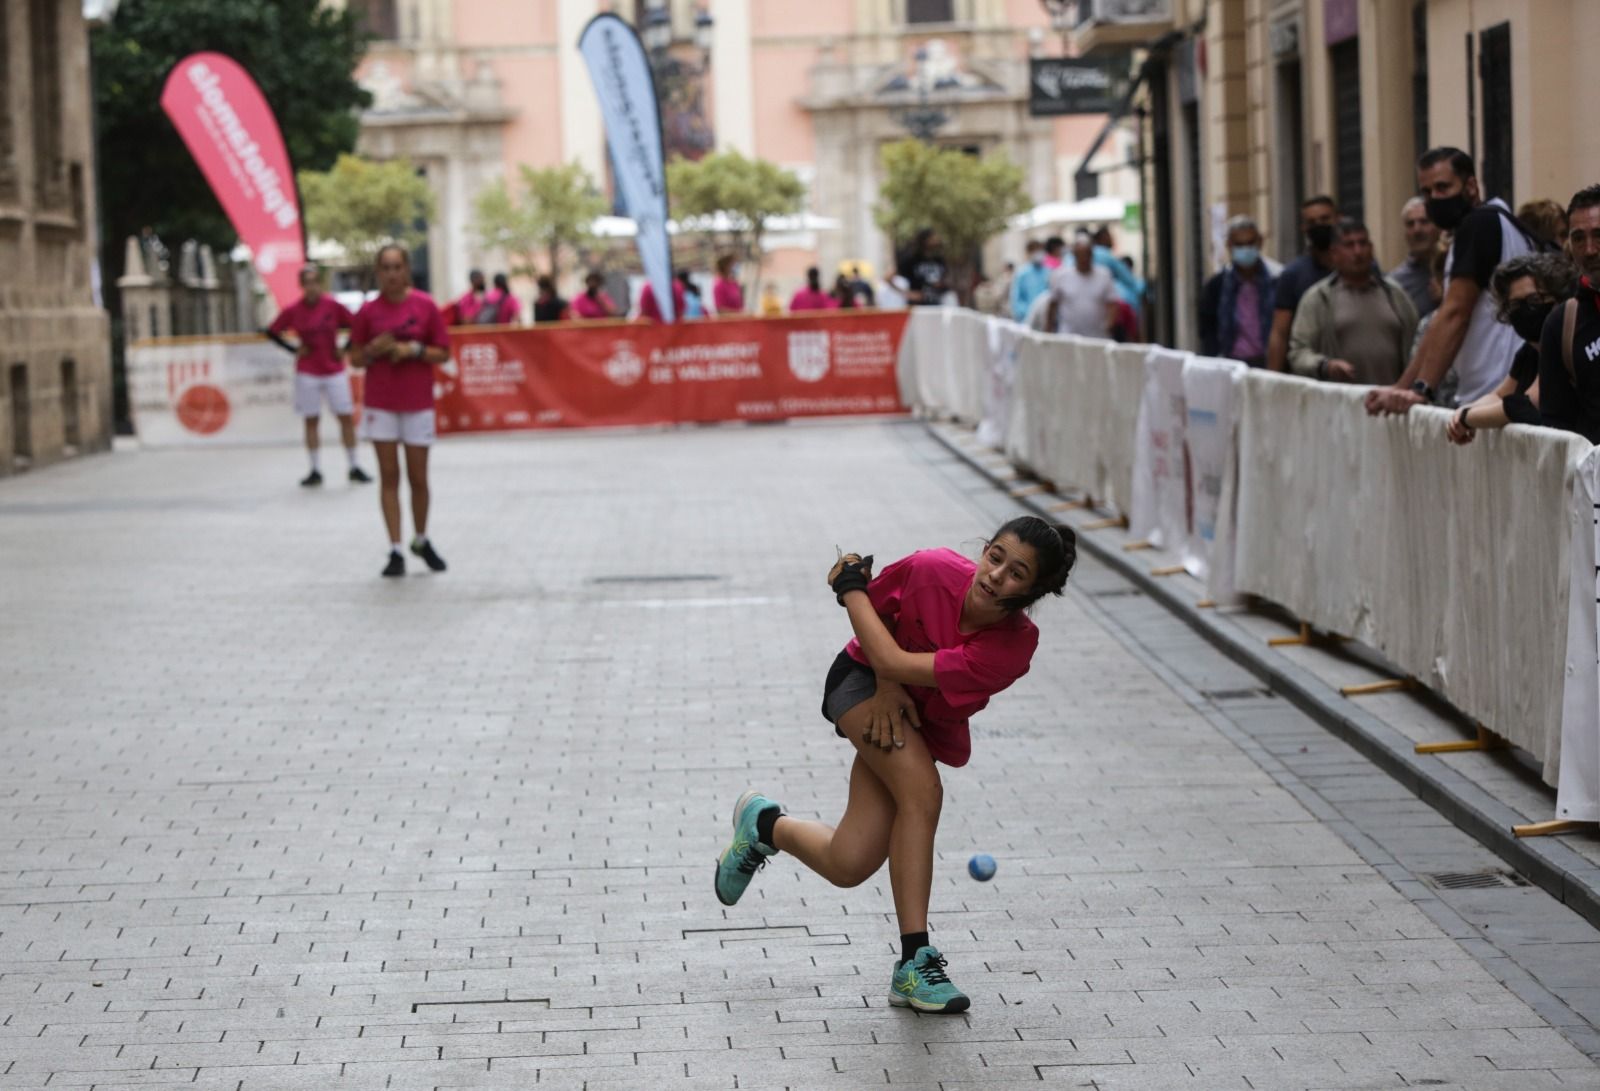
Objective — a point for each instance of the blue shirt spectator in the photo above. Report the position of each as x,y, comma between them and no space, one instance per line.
1031,282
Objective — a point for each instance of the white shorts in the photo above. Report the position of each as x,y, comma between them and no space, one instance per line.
311,390
411,429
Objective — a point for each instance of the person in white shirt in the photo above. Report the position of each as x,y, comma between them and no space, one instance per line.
1083,298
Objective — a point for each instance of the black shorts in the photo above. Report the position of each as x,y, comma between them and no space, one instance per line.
847,685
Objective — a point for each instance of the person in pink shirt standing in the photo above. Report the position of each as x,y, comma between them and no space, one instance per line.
315,319
726,295
649,308
594,302
399,336
936,636
508,309
812,297
472,302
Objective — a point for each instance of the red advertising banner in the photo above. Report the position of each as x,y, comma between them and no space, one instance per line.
574,375
229,129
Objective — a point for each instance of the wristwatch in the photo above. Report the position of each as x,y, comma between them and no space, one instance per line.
1424,391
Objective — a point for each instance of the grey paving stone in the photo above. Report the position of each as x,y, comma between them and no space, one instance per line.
458,831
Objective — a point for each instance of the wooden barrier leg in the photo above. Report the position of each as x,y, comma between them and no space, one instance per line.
1304,637
1105,524
1388,685
1169,570
1206,604
1486,740
1548,829
1069,505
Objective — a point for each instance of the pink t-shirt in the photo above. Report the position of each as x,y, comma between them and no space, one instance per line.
318,328
584,307
727,296
649,308
468,306
919,597
807,300
400,386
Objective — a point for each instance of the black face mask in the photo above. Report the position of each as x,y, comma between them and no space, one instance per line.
1448,212
1527,316
1320,236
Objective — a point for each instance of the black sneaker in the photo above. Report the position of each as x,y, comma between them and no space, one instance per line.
396,565
429,557
359,476
312,479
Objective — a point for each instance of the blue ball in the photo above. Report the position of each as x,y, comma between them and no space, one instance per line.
981,867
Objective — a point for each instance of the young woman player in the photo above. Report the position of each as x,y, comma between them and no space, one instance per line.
936,635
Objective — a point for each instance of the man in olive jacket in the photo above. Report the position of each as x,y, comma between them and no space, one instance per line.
1355,326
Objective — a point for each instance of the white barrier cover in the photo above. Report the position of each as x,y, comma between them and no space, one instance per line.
1441,558
1116,416
1004,340
969,341
1159,509
211,392
1211,397
1578,789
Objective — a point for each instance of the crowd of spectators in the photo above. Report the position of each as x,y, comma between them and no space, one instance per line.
1492,313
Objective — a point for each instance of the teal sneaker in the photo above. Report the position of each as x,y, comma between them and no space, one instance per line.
920,983
745,855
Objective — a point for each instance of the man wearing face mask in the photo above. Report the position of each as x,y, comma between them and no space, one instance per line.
1465,332
1031,281
1236,305
1317,217
1415,274
1569,362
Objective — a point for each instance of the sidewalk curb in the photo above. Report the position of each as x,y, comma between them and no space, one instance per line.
1544,860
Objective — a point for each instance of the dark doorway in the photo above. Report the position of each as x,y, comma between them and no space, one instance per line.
1494,69
21,417
71,429
1345,61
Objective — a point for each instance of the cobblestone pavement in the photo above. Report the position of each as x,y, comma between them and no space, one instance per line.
268,821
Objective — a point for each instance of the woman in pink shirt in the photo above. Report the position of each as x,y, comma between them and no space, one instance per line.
397,337
726,295
812,297
936,635
594,302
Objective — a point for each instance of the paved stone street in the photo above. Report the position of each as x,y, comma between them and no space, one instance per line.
268,821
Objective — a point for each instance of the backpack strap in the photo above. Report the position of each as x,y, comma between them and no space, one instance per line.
1569,327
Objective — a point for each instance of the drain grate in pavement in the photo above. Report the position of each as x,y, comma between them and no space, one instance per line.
1488,879
662,577
1249,693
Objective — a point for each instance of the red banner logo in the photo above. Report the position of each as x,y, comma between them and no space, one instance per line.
229,129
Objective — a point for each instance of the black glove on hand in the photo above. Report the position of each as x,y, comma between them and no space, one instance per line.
851,575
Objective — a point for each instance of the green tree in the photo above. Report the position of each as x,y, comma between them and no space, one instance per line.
364,205
967,200
302,53
550,210
749,191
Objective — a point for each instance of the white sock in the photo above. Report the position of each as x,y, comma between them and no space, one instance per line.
315,453
394,547
350,453
419,541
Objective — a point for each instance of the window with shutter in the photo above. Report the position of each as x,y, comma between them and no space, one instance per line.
1494,71
1345,60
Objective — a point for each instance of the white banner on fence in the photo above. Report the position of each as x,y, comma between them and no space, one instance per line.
204,392
1004,339
1159,509
1375,528
1210,390
1578,790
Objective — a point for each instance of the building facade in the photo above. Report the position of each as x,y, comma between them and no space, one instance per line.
1255,105
55,394
471,89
